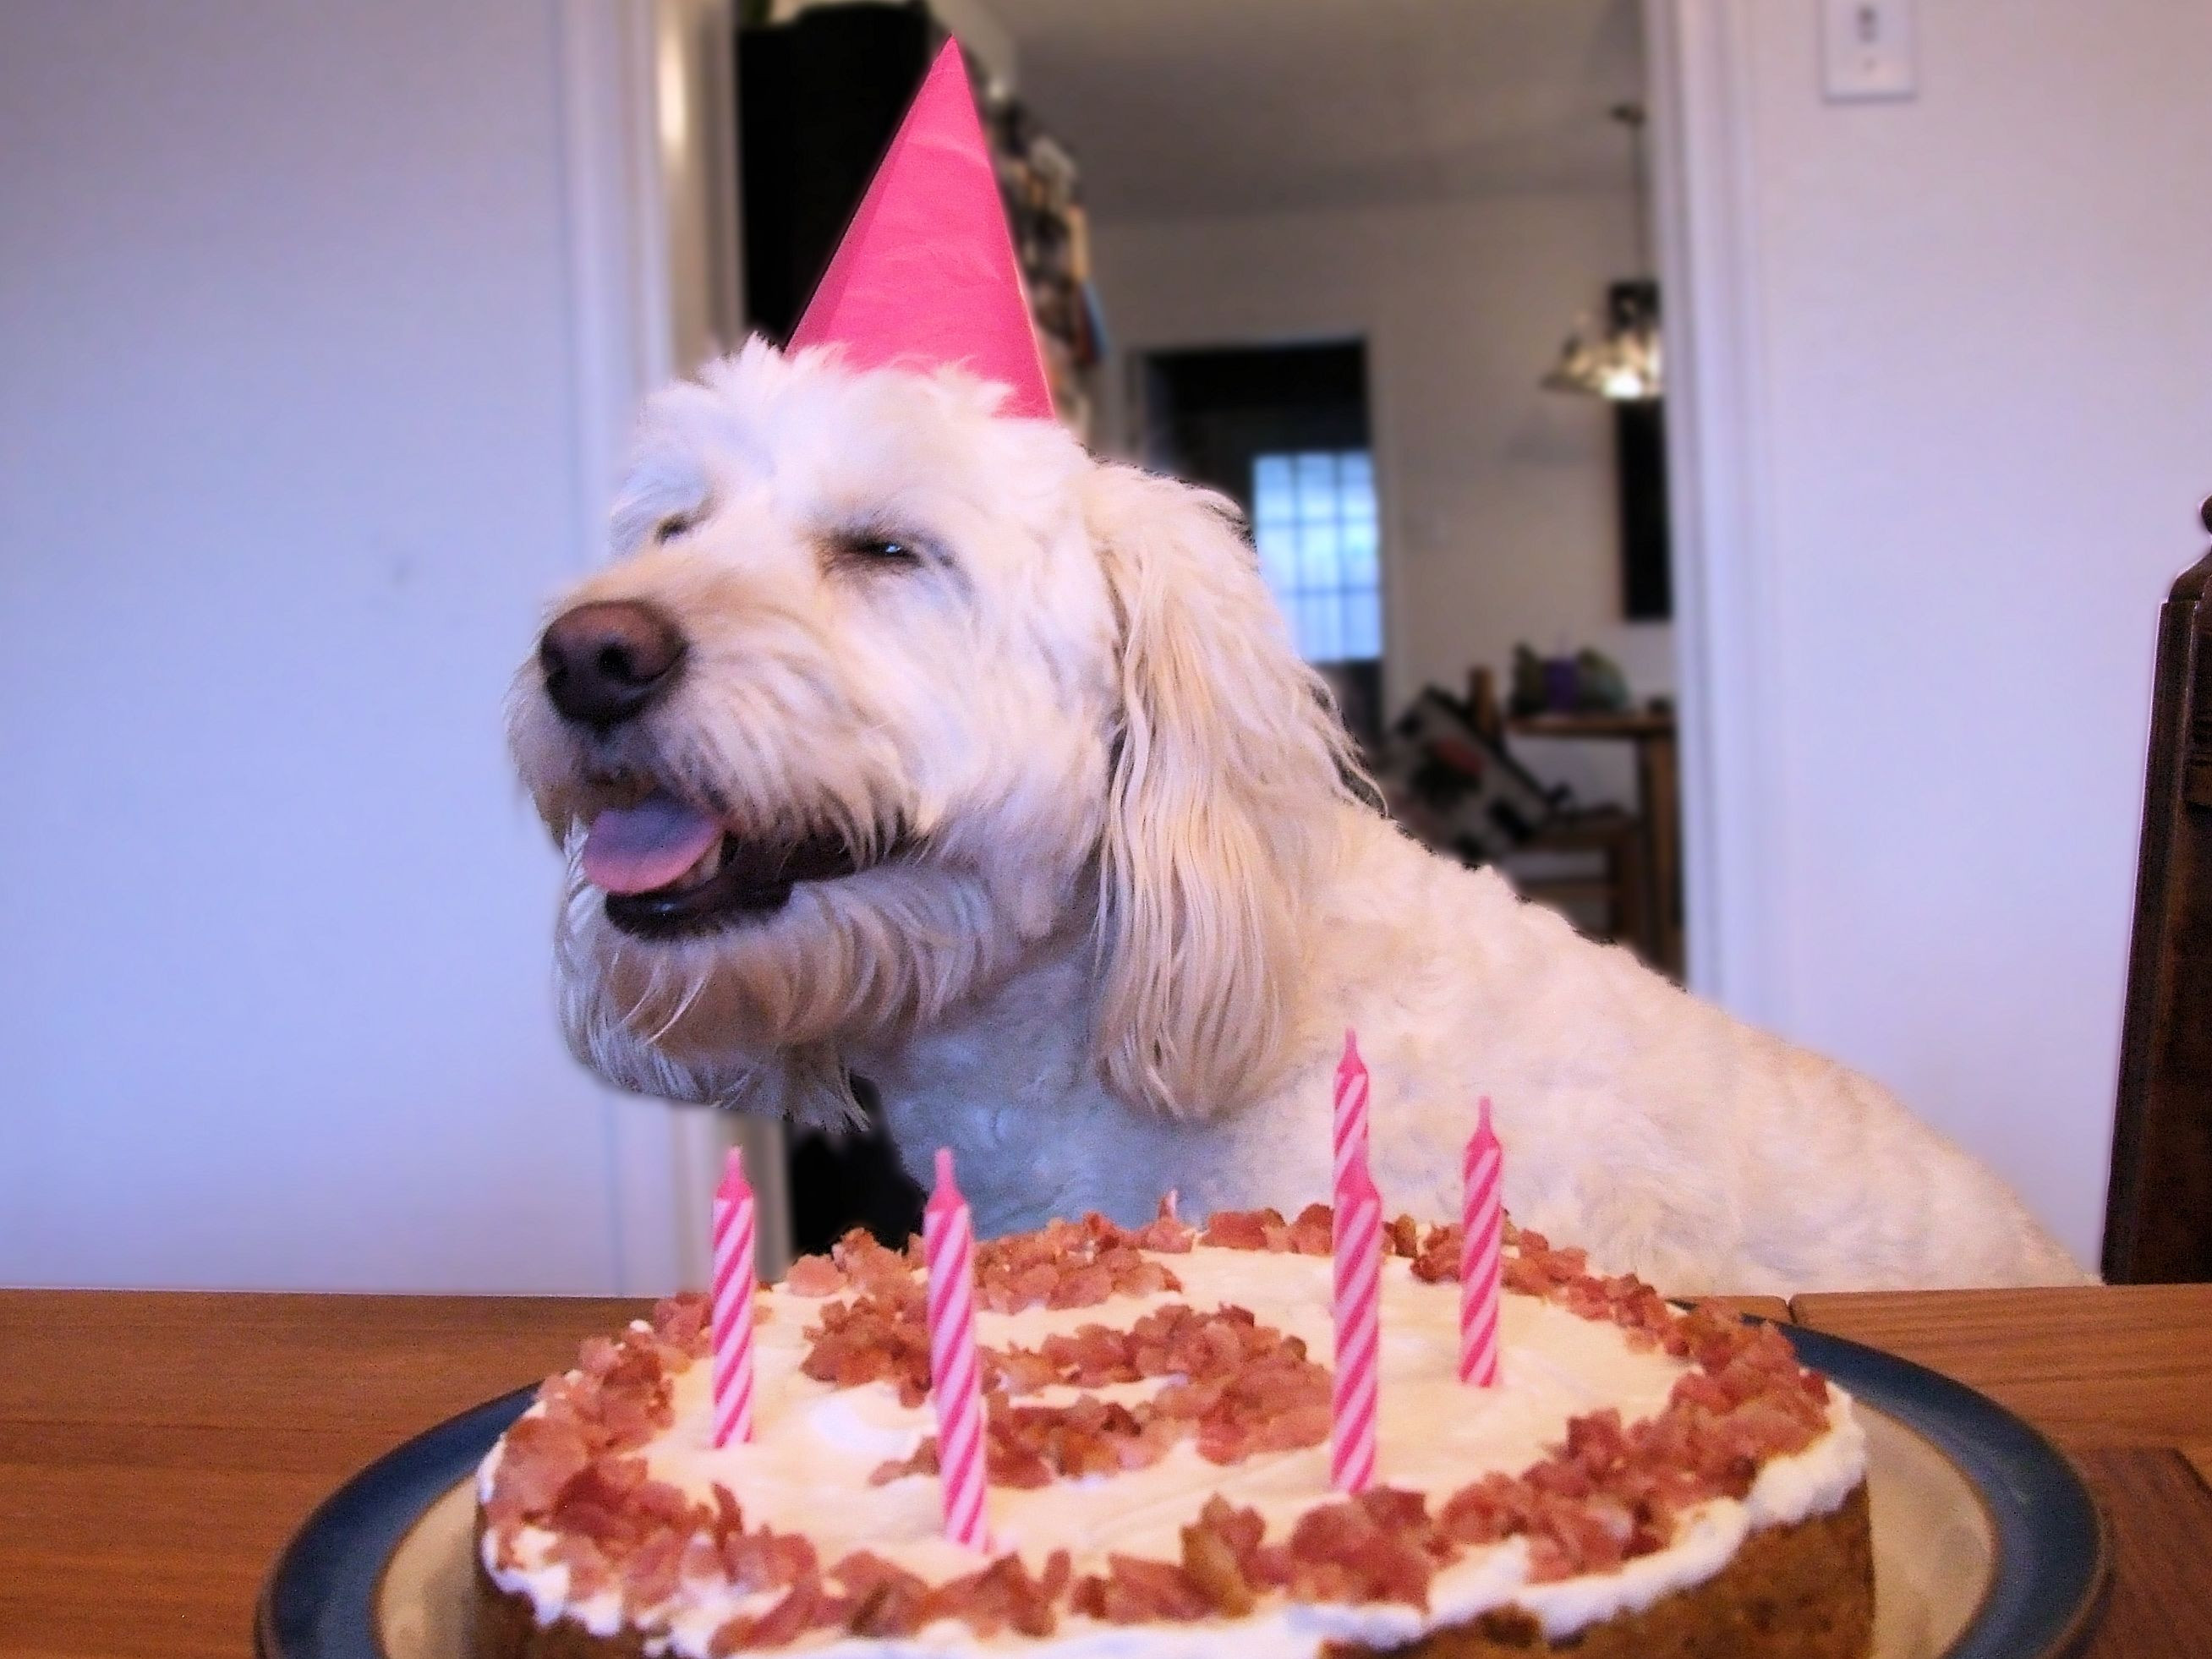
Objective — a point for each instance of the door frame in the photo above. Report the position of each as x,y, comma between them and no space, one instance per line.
648,161
1697,54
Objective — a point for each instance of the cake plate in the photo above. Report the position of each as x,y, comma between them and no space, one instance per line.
1986,1544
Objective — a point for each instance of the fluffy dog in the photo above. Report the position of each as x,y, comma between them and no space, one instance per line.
911,741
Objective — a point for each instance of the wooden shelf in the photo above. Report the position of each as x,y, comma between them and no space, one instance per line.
1627,723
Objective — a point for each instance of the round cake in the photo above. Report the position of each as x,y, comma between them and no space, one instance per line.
1643,1481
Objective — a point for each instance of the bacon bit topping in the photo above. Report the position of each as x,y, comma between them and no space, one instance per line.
873,1265
1135,1591
880,1336
588,1570
1248,1230
1067,1264
1214,1564
616,1401
682,1322
814,1276
1240,1387
804,1605
883,1334
1031,1446
1403,1237
1265,1230
1378,1547
1608,1493
1310,1234
1005,1594
883,1598
1168,1234
1437,1259
1611,1493
541,1454
1167,1341
569,1468
1222,1572
590,1502
763,1559
1269,1398
1539,1272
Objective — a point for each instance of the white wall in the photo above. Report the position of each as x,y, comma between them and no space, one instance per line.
288,459
1500,521
1976,338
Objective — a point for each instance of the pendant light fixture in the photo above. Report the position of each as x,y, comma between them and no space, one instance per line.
1621,364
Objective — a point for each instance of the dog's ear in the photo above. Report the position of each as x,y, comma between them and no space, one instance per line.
1228,765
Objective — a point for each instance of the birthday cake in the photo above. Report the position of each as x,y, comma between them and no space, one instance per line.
1639,1480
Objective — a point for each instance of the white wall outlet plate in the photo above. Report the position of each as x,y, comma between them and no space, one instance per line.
1867,50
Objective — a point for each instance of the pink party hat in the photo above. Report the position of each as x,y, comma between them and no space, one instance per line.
926,274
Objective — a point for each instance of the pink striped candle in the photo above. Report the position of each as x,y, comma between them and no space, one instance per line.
1481,1254
734,1284
1351,1103
948,1246
1355,1392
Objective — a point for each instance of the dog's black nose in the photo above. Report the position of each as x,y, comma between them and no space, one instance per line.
604,662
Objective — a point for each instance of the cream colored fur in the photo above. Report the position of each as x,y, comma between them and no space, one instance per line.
1132,901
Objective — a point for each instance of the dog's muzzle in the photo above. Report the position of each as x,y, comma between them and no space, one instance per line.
669,868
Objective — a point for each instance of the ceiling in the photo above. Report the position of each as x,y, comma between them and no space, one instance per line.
1180,108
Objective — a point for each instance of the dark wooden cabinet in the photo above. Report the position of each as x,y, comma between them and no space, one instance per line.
2158,1216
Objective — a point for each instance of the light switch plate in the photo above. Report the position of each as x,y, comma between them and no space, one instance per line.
1866,50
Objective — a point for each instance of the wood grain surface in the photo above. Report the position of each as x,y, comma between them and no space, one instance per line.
2101,1365
156,1450
2159,1514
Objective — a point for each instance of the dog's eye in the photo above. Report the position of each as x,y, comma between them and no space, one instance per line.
672,526
879,545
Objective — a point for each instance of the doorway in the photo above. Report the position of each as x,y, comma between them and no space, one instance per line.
1283,432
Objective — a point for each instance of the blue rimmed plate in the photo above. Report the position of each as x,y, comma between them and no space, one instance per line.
1986,1544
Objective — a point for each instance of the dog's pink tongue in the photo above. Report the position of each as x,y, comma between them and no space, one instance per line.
635,849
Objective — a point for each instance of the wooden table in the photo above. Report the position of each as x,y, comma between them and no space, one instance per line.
157,1450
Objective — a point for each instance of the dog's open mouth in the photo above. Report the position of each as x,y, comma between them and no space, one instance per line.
669,869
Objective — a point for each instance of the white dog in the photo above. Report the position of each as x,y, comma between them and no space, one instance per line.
914,742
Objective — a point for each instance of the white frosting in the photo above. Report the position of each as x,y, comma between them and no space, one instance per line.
807,1471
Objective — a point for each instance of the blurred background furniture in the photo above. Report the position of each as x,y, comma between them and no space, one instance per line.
2158,1210
1657,931
1618,890
1448,775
